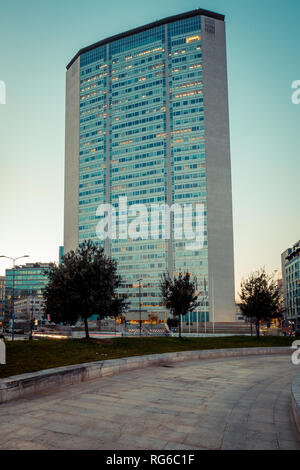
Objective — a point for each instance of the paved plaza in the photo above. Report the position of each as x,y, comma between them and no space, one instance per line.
235,403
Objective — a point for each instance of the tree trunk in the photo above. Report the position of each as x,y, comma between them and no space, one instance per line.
86,326
179,326
257,329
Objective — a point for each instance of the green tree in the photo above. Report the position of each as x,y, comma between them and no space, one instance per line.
179,295
118,306
172,322
260,298
83,285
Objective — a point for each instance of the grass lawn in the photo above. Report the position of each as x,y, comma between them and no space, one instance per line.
30,356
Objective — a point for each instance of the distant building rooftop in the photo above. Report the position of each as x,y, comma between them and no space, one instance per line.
31,265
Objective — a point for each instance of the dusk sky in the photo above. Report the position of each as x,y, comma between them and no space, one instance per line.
37,40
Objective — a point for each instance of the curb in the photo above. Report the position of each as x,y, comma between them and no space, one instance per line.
19,386
296,401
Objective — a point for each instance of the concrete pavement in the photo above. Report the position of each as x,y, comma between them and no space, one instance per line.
233,403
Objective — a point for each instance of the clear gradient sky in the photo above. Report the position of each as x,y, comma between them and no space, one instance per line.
37,40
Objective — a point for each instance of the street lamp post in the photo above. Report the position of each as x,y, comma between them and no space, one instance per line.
31,316
140,305
204,305
13,291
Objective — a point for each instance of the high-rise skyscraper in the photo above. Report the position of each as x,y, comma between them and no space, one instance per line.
147,121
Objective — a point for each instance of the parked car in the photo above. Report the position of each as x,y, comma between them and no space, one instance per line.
19,331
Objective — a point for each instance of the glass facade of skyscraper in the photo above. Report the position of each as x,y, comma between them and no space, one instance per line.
142,136
147,135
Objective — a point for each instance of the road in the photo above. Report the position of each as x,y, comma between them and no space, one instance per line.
234,403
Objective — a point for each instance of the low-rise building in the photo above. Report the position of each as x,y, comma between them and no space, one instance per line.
22,282
290,260
2,299
239,317
29,308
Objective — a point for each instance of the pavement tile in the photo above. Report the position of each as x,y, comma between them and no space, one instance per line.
234,403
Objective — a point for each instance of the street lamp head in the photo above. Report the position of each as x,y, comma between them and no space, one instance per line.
4,256
19,257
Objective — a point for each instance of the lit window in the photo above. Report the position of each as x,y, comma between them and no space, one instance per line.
193,38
